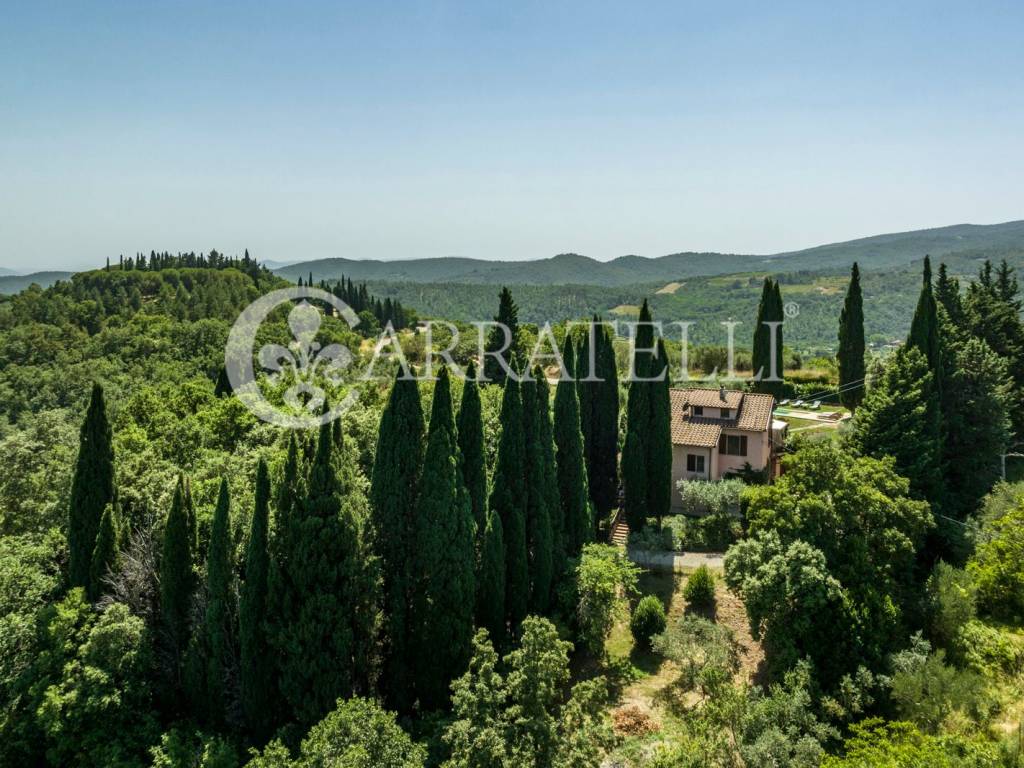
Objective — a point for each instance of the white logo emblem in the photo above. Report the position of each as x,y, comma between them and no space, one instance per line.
303,364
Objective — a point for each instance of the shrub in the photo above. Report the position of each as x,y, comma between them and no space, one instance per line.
603,577
652,539
700,588
928,693
951,605
648,620
996,565
991,650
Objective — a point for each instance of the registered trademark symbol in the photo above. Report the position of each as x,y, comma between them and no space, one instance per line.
792,309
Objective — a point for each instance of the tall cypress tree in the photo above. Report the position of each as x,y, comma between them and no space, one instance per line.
490,585
176,582
778,314
851,344
659,442
638,414
442,580
761,353
549,479
105,554
288,492
471,447
538,517
508,316
92,488
324,596
508,502
257,682
599,418
576,516
924,329
769,310
393,493
217,641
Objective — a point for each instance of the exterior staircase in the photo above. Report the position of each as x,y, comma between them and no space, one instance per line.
619,535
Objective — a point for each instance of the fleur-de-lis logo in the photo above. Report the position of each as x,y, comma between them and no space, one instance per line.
303,364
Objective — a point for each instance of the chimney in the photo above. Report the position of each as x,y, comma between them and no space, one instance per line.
721,392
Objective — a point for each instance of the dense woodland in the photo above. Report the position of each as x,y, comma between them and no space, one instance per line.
426,580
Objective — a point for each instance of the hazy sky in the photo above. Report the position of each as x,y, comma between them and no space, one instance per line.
505,130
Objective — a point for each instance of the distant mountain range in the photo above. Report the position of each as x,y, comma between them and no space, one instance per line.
878,252
12,283
962,244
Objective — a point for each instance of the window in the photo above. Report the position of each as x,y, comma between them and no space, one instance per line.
694,462
733,445
726,413
698,410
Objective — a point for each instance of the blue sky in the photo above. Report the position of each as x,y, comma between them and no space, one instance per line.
500,130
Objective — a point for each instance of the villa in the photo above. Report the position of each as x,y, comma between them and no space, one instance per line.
717,432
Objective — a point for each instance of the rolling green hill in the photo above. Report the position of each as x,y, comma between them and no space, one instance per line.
17,283
879,251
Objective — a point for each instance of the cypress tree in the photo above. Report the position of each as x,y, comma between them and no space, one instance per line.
92,488
599,419
549,479
851,344
659,442
324,595
443,582
288,492
538,517
924,329
471,447
576,517
393,493
769,310
257,683
508,502
761,353
638,413
779,315
216,644
490,586
176,582
105,554
508,316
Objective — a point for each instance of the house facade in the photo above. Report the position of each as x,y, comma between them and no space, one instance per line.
716,432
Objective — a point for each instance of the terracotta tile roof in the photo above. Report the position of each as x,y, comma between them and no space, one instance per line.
752,413
711,398
699,432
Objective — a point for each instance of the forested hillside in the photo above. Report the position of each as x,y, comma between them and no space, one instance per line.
426,580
